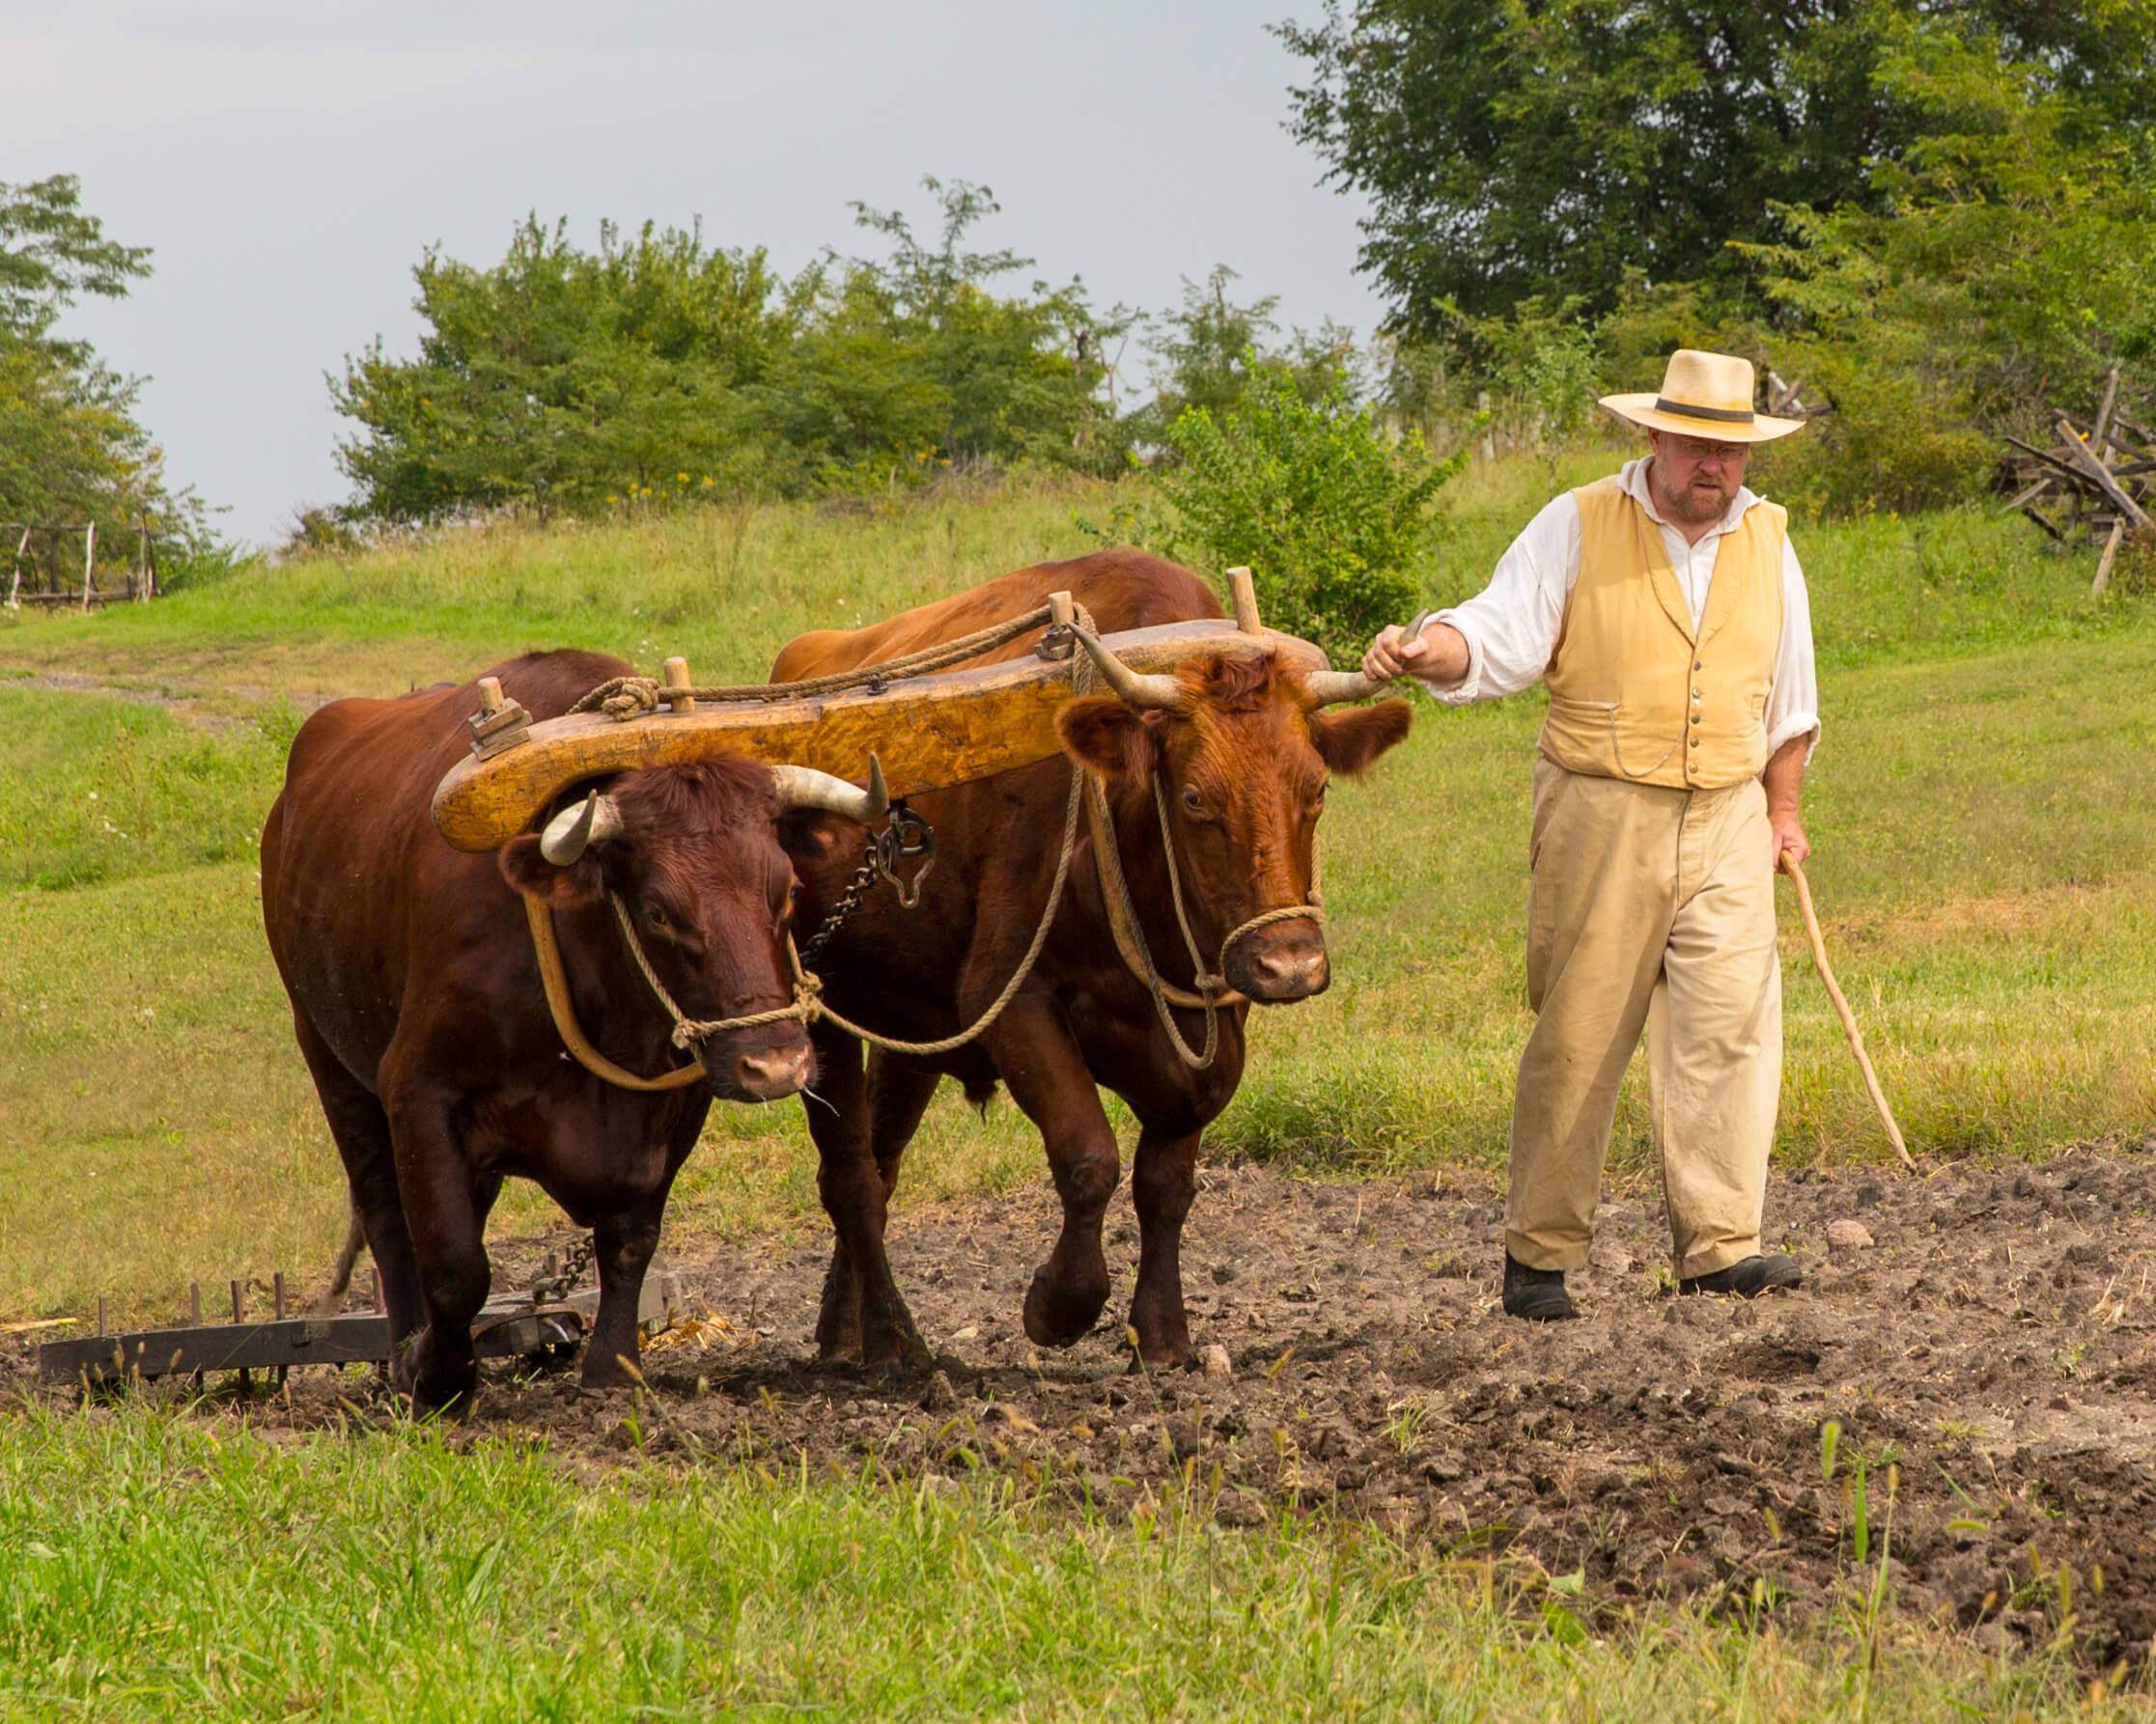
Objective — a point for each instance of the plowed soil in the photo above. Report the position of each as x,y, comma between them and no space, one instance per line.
1988,1337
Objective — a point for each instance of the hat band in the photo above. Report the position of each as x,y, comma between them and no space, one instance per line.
1686,410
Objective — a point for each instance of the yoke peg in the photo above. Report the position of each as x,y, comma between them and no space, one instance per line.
1242,589
678,685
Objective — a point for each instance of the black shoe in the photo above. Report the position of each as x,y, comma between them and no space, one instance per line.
1748,1279
1536,1294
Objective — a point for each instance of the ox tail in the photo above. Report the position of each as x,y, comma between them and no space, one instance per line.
332,1299
979,1093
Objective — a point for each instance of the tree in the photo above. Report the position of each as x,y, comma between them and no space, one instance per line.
1210,351
1522,148
2005,263
660,367
72,449
915,360
560,379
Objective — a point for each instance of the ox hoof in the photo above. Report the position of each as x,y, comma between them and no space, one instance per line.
433,1386
898,1351
1059,1316
602,1375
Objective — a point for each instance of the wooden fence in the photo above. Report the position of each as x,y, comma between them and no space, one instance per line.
43,571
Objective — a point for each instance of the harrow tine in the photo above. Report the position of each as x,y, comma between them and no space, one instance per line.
246,1376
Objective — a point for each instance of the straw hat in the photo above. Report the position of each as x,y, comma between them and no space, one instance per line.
1703,395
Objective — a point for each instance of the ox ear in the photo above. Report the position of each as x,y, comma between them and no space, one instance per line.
580,883
810,835
1107,736
1349,741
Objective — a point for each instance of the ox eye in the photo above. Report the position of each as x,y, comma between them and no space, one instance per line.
1193,802
655,916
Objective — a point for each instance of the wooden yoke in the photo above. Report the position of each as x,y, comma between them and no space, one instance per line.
930,732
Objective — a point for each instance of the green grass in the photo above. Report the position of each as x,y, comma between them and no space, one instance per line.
159,1566
101,790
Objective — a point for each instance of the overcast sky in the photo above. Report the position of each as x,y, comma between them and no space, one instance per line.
288,162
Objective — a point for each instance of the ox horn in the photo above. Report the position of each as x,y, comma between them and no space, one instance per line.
1327,688
593,821
804,787
1139,688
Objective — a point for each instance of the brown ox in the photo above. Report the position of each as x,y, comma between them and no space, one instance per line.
1245,756
416,998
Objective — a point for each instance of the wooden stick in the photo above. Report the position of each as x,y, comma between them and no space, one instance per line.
1795,871
2103,564
1243,590
2029,495
2096,470
89,559
14,588
2097,437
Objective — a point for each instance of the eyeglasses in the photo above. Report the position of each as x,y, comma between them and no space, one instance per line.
1694,450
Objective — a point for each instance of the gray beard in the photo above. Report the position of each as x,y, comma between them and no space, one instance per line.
1681,506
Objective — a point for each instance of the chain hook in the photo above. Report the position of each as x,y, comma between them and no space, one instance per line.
906,835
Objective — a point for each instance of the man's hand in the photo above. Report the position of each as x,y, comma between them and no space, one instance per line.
1437,651
1393,653
1789,836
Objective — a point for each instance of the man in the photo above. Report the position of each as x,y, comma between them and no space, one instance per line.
1665,610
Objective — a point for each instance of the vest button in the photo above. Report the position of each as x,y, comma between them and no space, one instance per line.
1695,739
1698,665
1695,720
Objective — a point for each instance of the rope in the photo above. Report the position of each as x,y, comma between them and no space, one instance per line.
689,1031
628,697
1024,969
1131,941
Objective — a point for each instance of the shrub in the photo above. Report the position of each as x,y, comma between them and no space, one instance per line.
1328,508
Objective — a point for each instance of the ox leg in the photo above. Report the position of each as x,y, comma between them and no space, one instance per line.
899,1092
856,1200
441,1208
1164,1180
1047,1077
360,1131
625,1241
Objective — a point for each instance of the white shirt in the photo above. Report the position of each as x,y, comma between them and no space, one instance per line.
1511,625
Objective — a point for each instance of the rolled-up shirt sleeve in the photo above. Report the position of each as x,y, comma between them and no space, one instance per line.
1793,703
1511,625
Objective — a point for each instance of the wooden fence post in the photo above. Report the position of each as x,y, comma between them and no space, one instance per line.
142,560
89,559
14,587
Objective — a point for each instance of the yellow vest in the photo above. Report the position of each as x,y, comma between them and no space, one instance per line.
1634,693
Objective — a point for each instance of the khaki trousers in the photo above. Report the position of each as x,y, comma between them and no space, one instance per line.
1649,908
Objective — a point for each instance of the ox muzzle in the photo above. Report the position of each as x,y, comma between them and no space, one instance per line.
762,1065
1279,964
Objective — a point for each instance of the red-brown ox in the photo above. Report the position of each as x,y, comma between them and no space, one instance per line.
1244,754
417,1000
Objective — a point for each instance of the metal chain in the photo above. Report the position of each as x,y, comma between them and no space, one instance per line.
848,901
549,1287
